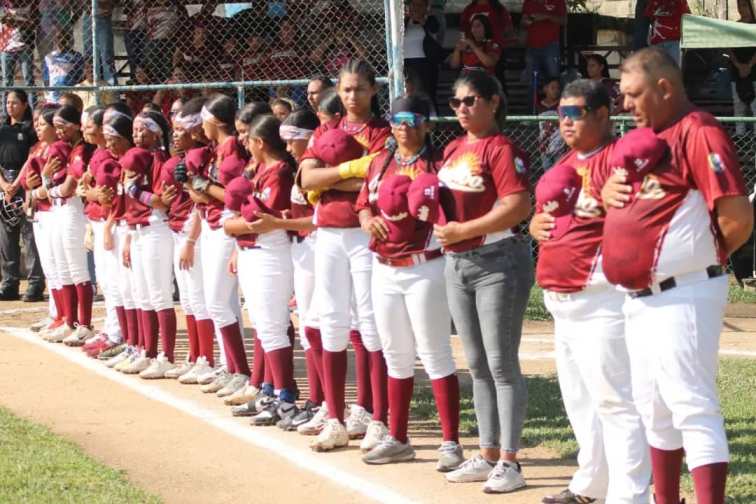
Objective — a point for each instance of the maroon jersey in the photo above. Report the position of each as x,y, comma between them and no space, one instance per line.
568,264
474,176
137,212
668,228
78,159
102,161
666,19
336,208
421,237
182,206
34,162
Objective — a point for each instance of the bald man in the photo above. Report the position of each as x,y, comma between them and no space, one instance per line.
667,236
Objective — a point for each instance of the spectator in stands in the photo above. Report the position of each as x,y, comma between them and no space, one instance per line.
135,37
17,43
315,89
17,137
69,99
743,72
55,15
199,56
164,18
136,99
286,60
227,66
89,97
550,143
422,53
282,107
103,21
543,20
476,49
62,67
597,68
436,11
640,26
338,46
498,16
666,20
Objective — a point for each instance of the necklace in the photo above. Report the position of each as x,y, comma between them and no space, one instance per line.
410,160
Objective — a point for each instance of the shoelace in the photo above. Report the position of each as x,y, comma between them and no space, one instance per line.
448,448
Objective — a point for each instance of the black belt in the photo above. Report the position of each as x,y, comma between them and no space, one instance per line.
713,271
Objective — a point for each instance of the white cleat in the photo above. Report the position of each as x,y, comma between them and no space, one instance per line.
333,435
357,422
157,368
200,368
376,431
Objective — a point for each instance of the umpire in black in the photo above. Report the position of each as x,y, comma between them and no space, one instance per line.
17,136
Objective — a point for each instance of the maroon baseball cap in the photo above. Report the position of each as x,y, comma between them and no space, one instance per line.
253,206
336,146
137,160
557,193
422,197
60,150
638,152
392,202
236,192
107,174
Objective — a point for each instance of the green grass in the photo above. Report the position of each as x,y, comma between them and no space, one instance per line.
547,425
738,295
536,310
37,466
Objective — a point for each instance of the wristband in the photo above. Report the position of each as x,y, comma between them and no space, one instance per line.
132,190
357,168
54,192
145,198
200,184
47,181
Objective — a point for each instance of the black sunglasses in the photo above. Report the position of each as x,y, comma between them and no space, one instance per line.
467,101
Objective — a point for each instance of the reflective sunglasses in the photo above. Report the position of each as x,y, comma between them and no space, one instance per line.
573,112
467,101
410,119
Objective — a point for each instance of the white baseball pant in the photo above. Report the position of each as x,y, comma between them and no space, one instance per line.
412,315
266,276
152,261
42,228
106,271
673,342
343,264
221,289
125,275
189,280
69,253
303,260
594,376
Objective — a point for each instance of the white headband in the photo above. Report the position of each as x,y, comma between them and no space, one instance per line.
148,123
288,132
84,118
206,115
112,113
60,122
188,121
110,131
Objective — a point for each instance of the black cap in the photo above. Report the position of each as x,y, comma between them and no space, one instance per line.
414,104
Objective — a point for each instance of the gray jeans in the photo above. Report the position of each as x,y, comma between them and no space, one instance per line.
488,290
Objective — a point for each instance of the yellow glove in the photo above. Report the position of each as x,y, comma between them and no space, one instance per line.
356,168
313,197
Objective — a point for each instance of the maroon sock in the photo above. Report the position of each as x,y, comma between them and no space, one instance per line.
85,293
334,374
191,334
167,324
316,347
258,363
140,327
206,335
446,394
313,379
70,303
268,374
282,366
379,385
132,323
123,324
361,371
710,481
666,466
400,396
232,340
150,324
60,311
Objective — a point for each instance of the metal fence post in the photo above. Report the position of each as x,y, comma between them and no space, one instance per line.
394,28
240,97
95,58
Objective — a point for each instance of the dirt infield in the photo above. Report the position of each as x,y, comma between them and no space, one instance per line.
184,446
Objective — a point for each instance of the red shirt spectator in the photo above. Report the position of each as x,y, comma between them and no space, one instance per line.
542,25
666,18
498,16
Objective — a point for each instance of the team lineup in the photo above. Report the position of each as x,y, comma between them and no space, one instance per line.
385,240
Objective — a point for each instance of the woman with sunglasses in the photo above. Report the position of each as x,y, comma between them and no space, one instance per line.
485,196
343,262
398,206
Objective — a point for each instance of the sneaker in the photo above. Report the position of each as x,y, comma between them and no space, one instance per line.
357,422
79,336
450,456
333,435
505,477
158,368
102,345
139,364
133,355
315,425
567,497
221,380
245,410
41,324
474,469
111,352
389,451
375,433
268,409
290,423
45,331
200,368
95,340
244,395
209,375
58,334
119,357
179,370
238,381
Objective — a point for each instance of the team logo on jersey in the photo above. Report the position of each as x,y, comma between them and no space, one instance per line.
119,189
716,163
519,165
394,218
264,194
651,189
587,207
463,174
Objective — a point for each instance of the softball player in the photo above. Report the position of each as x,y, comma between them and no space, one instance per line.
342,256
667,235
398,206
591,351
264,265
210,169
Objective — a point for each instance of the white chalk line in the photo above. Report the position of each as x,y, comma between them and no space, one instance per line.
40,309
303,459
